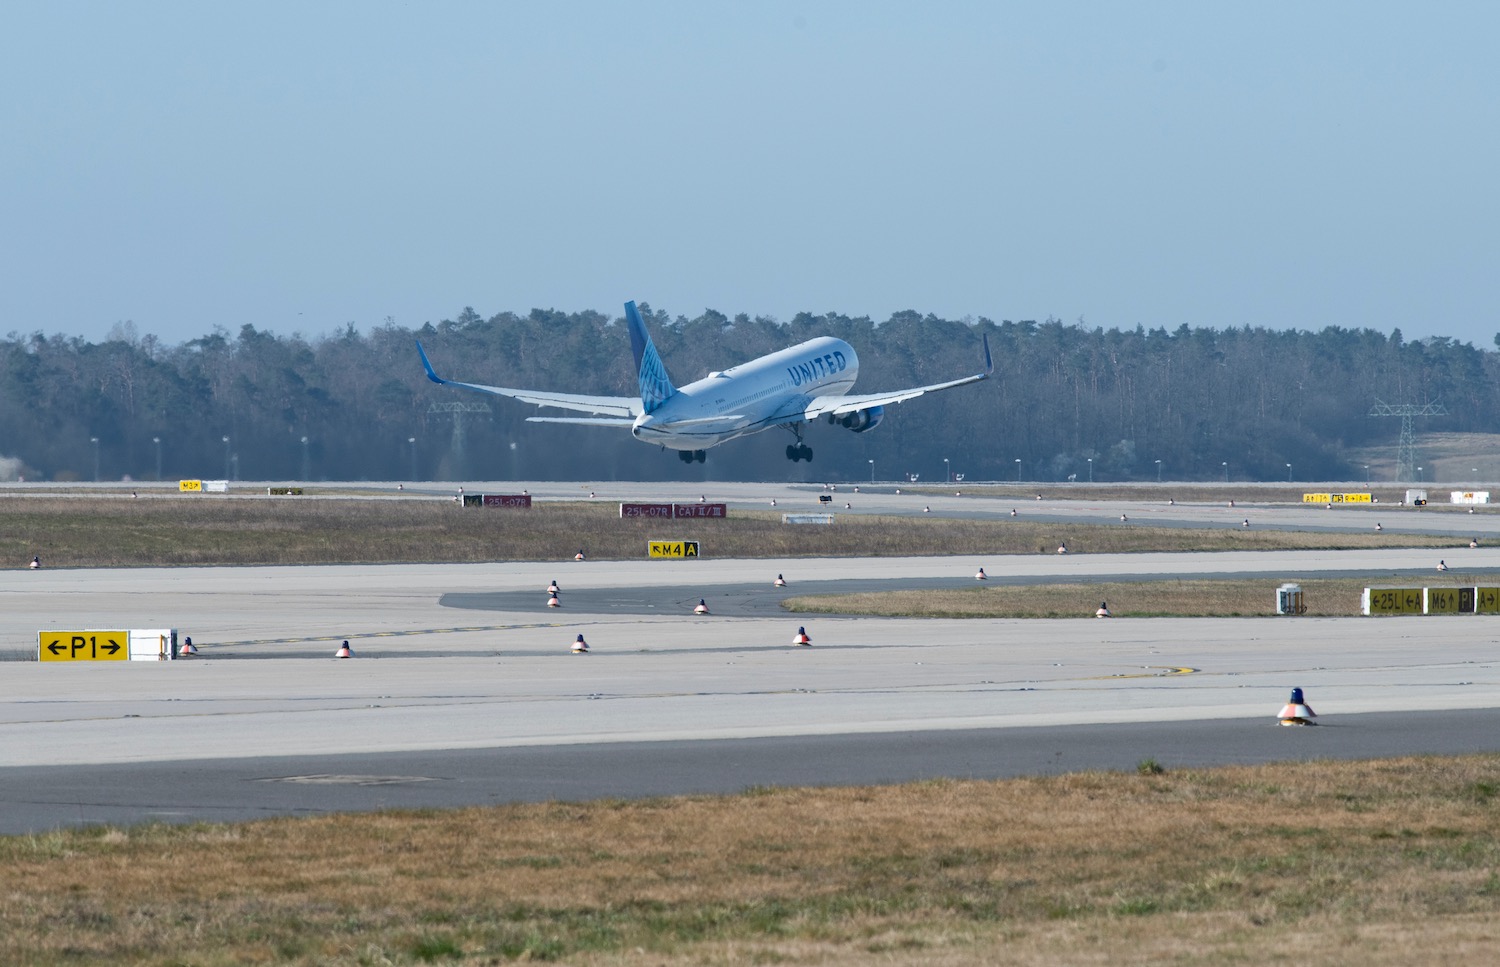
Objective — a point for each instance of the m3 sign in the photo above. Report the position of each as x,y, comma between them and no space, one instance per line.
83,645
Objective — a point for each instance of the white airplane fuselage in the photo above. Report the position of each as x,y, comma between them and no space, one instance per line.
750,397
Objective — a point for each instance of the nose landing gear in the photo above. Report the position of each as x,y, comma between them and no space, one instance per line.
690,456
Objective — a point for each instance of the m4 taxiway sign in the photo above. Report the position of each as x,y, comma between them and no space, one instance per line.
83,645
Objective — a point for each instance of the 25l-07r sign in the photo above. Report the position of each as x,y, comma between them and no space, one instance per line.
83,645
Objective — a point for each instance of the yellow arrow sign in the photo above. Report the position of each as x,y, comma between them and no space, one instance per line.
83,645
672,548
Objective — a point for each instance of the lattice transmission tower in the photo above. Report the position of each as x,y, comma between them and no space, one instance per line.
1406,450
457,410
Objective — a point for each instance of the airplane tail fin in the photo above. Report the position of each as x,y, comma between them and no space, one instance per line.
656,387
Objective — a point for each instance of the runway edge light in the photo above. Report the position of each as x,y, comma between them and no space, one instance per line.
800,638
1296,711
580,647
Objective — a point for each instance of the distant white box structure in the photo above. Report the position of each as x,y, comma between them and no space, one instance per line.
153,644
807,518
216,486
1471,496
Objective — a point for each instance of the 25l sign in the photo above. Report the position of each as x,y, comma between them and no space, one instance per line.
83,645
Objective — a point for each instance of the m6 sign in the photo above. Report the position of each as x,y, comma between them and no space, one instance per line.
83,645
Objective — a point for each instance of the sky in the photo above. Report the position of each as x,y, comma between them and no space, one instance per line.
299,166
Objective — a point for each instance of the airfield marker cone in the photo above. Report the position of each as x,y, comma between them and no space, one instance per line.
1012,512
981,576
780,582
36,562
344,651
552,602
1124,519
1103,611
187,649
1442,565
580,646
800,638
553,588
702,607
926,509
579,556
1296,712
1062,548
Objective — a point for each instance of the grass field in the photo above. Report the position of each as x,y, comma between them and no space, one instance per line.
1369,863
120,532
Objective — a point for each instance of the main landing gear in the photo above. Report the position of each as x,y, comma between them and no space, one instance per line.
690,456
799,451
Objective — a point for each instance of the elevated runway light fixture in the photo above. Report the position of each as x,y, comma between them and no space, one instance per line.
872,470
157,440
95,441
1091,469
1018,469
1288,473
1225,464
1158,471
226,458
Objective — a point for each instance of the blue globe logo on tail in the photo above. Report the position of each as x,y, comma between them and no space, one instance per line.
655,385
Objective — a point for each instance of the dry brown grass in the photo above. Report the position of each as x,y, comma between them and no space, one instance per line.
113,532
1127,599
1386,862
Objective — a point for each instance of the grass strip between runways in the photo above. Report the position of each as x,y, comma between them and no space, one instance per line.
1374,863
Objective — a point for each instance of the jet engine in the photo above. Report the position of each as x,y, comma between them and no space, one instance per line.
861,420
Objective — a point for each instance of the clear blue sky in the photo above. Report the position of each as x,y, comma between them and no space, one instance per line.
302,165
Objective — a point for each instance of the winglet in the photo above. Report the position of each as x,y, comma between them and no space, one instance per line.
427,365
651,375
989,364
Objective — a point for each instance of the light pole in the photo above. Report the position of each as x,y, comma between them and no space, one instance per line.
872,470
1158,471
306,462
1367,476
1226,470
1091,469
157,440
1018,469
1288,473
95,441
226,458
947,470
412,442
1419,475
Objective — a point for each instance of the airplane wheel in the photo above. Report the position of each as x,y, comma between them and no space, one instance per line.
793,453
700,455
807,453
686,456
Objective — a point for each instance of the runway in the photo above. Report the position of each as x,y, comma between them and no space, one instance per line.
464,691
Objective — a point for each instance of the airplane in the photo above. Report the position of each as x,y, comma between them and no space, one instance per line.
790,388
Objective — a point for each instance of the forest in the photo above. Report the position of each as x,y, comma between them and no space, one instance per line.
1065,401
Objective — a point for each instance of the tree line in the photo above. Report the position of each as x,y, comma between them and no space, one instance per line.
1065,400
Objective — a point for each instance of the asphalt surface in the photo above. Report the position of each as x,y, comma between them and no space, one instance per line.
464,692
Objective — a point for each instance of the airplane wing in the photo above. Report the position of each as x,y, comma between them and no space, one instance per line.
617,406
584,420
840,405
